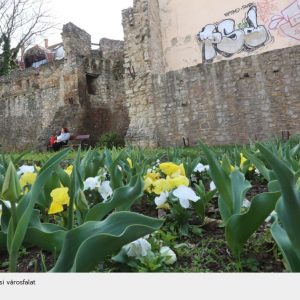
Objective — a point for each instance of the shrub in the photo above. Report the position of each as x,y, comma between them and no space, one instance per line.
110,140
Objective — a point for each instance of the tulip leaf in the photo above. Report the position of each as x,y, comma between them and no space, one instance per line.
92,242
291,255
46,236
220,178
16,237
288,208
240,227
3,242
239,188
122,199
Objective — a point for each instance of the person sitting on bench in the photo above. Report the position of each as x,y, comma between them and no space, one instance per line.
62,139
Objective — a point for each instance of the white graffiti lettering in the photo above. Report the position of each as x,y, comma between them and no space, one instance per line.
225,39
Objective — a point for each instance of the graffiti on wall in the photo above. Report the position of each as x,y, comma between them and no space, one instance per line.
288,21
227,39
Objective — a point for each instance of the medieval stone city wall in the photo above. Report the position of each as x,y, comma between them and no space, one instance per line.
230,102
220,102
35,103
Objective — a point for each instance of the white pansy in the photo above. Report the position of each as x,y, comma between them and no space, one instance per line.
170,254
91,183
185,195
105,190
257,171
271,216
163,197
25,169
212,186
201,168
246,203
138,248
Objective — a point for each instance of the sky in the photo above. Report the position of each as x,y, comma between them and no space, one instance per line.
100,18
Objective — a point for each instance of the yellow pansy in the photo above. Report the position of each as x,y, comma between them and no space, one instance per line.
165,206
178,181
172,169
129,162
69,170
60,197
148,185
27,178
232,168
251,168
161,185
153,176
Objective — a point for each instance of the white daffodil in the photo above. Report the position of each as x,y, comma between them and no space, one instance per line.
212,186
138,248
201,168
25,169
246,203
105,190
185,195
161,199
169,254
91,183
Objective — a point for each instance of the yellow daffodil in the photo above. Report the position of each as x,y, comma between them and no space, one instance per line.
178,181
27,178
172,169
129,162
69,170
60,197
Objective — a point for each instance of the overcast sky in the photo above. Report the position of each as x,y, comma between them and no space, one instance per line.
100,18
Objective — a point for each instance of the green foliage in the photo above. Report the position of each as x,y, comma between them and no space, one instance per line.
110,140
87,245
286,229
232,189
7,57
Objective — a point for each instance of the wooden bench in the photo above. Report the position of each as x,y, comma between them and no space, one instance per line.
75,141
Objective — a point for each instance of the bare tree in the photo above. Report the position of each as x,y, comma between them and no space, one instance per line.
20,22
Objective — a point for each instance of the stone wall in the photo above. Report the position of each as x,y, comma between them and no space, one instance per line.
227,102
105,109
84,92
231,101
143,56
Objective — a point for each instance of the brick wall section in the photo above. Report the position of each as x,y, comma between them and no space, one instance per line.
230,101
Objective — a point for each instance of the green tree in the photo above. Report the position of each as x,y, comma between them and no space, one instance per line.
21,21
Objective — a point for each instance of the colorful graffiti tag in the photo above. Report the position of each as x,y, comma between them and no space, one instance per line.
226,39
288,22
